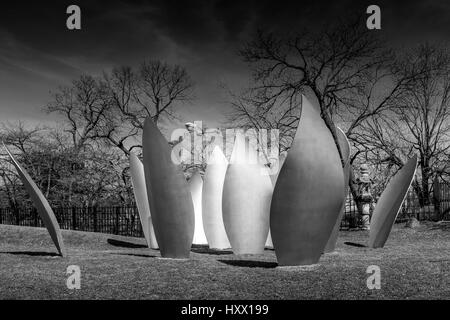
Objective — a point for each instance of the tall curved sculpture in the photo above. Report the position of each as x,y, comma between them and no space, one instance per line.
43,207
212,200
140,195
168,195
246,201
308,193
345,149
389,204
196,186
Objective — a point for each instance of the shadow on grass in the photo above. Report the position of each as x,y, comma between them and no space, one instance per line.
206,250
250,263
354,244
135,255
125,244
33,253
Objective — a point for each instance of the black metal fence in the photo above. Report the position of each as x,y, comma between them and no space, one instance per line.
351,218
438,209
114,220
125,220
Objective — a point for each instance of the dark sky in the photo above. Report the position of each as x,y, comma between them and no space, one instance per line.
38,53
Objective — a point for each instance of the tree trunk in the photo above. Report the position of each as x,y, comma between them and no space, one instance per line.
425,196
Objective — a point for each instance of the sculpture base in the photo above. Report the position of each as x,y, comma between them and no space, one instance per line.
248,253
176,259
309,267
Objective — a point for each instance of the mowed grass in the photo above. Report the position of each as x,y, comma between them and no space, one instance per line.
414,264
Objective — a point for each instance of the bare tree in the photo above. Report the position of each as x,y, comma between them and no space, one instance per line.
100,112
35,154
159,87
90,177
419,122
122,126
154,90
329,65
85,109
346,68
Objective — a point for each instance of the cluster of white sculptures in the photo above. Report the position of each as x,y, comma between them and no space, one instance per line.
237,203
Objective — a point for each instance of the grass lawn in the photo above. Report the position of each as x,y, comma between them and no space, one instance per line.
415,264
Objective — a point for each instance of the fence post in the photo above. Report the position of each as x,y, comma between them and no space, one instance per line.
117,221
94,212
36,221
74,218
130,218
437,197
18,218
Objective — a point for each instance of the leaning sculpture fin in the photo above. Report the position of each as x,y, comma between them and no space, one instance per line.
140,195
43,207
389,204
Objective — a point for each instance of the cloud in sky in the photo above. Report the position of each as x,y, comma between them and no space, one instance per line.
38,53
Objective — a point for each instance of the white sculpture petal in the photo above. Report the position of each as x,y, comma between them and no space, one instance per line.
246,199
196,186
212,200
140,195
43,207
389,204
